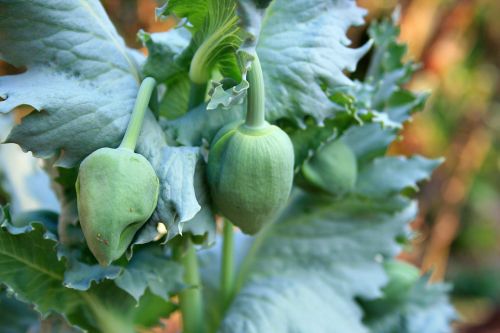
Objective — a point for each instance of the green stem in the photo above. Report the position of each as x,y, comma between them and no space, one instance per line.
227,273
141,104
197,94
190,298
256,96
107,320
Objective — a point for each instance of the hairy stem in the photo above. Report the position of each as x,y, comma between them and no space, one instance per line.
227,272
256,96
141,104
190,298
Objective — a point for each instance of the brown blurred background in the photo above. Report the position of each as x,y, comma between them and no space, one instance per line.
457,43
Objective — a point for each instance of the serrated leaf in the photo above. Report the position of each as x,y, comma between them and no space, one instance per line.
381,92
216,35
427,309
226,98
303,48
194,11
151,269
30,267
24,265
16,316
335,242
80,276
386,176
165,59
80,81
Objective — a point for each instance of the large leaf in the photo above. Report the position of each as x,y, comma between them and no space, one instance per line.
387,176
16,316
30,267
381,93
150,268
80,77
303,50
304,272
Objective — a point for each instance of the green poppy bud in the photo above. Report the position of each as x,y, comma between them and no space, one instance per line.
117,191
333,169
250,173
402,277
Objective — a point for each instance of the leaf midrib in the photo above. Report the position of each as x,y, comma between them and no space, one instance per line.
31,265
112,38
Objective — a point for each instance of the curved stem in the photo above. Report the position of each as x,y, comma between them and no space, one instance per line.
256,96
197,93
227,272
191,305
141,104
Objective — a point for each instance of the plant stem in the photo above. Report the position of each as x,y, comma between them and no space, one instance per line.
256,96
107,320
227,272
197,94
190,298
135,124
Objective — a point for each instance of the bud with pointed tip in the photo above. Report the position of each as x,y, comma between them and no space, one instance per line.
117,189
117,192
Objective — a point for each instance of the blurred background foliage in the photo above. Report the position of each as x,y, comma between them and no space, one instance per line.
457,43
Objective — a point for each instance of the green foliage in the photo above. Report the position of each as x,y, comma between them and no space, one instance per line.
317,265
425,308
16,315
37,276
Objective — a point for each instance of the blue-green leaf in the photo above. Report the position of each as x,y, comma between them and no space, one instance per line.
80,78
150,268
16,316
305,271
303,50
426,309
386,176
